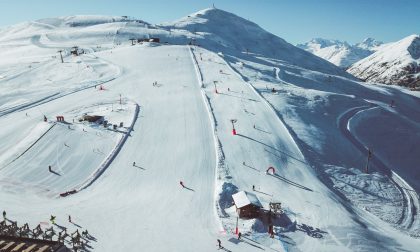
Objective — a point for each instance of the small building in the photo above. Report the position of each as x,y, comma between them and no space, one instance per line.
93,118
247,204
17,243
154,40
75,51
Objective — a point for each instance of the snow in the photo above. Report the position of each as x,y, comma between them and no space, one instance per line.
180,130
341,53
394,63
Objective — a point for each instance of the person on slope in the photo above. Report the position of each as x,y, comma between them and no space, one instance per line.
134,163
219,243
4,214
52,219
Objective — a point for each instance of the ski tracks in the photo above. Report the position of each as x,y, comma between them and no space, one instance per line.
409,220
217,145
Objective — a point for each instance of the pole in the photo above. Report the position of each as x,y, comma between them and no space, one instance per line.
368,159
61,56
237,228
233,126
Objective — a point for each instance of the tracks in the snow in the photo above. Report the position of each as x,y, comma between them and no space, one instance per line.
409,219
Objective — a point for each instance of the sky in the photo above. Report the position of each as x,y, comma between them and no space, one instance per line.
296,21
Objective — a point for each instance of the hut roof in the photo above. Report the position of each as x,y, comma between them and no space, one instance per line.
243,198
92,118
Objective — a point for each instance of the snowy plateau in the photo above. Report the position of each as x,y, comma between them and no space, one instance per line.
160,175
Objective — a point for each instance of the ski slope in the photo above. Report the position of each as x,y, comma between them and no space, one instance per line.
180,130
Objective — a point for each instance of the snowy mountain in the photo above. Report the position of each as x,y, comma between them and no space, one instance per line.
396,63
216,107
208,27
341,53
369,44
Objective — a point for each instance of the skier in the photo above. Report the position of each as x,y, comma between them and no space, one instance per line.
182,184
52,219
134,163
70,218
49,168
4,214
220,243
254,126
239,235
45,118
253,187
228,89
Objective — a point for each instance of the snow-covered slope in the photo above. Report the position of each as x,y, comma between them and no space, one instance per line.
341,53
396,63
207,28
216,29
293,111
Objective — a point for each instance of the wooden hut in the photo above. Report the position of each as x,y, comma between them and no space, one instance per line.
93,118
247,204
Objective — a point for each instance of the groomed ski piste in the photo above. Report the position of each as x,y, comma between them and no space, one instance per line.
309,120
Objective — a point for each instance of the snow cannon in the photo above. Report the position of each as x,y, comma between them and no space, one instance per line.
273,171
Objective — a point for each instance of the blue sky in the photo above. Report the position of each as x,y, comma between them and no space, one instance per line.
294,20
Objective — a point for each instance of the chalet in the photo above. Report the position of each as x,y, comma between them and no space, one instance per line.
247,204
93,118
154,40
75,51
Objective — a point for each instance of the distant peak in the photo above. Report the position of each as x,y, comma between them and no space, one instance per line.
325,42
369,44
368,40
